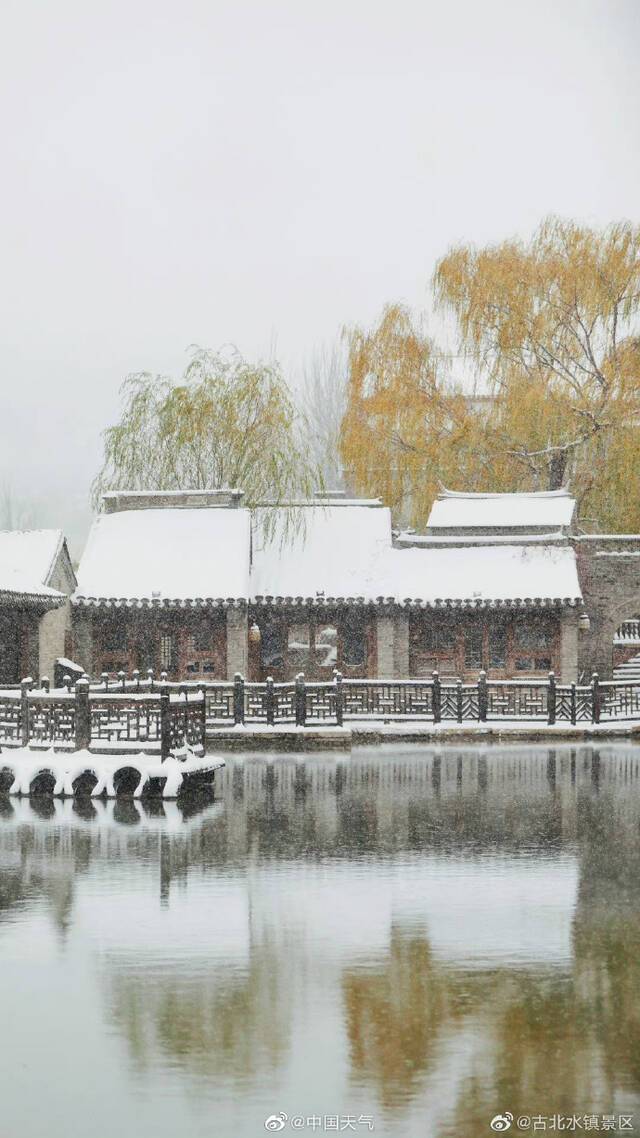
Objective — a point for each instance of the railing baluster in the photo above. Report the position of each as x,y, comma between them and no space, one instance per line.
25,688
551,700
436,698
238,698
300,700
270,701
83,715
339,698
595,698
482,697
165,724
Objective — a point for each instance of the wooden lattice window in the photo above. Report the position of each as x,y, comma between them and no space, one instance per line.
354,650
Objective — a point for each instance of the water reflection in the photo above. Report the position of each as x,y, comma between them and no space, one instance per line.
425,937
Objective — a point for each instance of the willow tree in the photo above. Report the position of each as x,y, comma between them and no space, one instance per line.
226,422
548,389
407,427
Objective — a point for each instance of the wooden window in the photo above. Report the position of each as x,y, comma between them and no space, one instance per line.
534,638
271,645
167,651
473,646
298,646
439,638
201,648
434,644
354,642
497,644
326,646
116,645
114,636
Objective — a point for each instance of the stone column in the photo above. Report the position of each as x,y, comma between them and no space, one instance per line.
569,647
82,625
401,645
385,646
51,632
237,641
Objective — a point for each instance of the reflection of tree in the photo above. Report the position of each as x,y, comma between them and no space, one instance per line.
212,1024
547,1039
607,931
394,1015
561,1036
520,1038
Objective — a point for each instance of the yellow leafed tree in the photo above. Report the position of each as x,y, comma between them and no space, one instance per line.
407,426
550,331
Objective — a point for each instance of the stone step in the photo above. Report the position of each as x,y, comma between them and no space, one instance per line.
629,671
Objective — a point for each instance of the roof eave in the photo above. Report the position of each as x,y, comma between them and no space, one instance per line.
31,600
438,603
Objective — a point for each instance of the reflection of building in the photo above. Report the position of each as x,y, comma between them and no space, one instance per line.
36,579
419,936
194,584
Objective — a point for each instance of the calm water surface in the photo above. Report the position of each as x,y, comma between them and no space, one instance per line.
424,938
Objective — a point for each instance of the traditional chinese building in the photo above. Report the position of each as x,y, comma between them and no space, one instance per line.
36,580
164,584
195,584
503,590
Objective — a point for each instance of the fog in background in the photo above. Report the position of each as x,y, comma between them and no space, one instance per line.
263,173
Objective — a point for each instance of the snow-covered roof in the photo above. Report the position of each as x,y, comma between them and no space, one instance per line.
484,575
164,556
330,550
318,552
553,509
348,555
27,560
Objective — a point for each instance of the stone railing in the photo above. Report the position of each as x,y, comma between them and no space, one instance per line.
628,632
82,716
315,704
163,716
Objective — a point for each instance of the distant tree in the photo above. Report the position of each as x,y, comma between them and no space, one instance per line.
323,400
551,336
16,511
224,423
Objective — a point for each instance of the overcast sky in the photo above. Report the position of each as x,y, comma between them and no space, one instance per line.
264,172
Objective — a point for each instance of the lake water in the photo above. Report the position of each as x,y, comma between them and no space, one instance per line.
408,939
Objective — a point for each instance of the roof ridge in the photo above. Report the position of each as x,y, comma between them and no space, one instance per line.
563,492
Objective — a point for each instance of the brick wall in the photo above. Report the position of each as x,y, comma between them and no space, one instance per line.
609,571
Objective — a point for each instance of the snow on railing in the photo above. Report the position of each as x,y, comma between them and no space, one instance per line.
302,703
84,715
162,715
628,632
